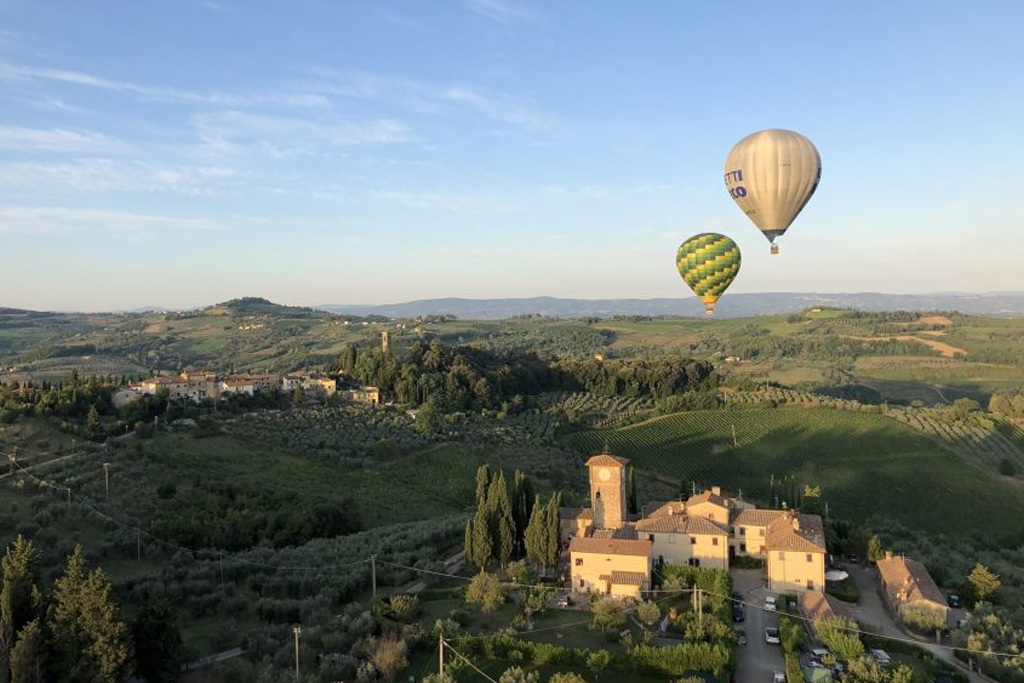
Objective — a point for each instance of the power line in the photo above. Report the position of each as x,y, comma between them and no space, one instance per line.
466,660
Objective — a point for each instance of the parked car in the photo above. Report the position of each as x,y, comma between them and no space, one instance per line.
882,658
771,636
771,603
820,653
778,677
737,613
853,559
563,601
953,601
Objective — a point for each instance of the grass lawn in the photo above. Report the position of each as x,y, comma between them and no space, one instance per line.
865,464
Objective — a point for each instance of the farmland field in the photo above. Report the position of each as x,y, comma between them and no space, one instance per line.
866,464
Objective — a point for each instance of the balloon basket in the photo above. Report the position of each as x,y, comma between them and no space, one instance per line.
775,249
709,311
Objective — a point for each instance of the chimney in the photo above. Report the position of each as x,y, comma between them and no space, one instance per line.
888,554
716,490
796,523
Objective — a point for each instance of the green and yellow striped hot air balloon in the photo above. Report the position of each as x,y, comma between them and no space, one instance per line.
708,263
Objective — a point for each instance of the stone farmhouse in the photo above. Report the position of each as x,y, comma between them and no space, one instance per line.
906,582
199,386
613,552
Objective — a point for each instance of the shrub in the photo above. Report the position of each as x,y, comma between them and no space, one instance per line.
922,619
486,590
405,607
609,616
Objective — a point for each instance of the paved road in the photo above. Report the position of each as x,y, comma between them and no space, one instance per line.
757,660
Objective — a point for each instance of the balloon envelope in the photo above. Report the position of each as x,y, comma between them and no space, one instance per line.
708,263
771,175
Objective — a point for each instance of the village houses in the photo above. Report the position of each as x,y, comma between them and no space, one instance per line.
200,386
613,552
907,583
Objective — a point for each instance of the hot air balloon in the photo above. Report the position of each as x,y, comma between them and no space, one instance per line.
771,175
708,263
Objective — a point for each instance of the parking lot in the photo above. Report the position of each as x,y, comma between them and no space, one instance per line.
757,660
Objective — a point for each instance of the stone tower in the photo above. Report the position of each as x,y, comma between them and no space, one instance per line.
385,341
608,490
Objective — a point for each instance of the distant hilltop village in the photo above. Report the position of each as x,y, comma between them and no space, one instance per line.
201,386
613,552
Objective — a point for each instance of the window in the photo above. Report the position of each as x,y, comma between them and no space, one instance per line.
672,539
714,541
808,557
760,532
810,585
732,530
782,555
743,547
582,584
743,531
693,540
579,561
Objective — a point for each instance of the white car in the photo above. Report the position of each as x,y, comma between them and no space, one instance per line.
778,677
882,657
770,603
771,636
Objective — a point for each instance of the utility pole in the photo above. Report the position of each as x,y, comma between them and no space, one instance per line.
735,443
373,574
72,447
700,607
298,631
106,478
69,500
440,654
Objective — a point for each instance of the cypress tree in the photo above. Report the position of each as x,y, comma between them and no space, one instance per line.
483,481
631,492
481,540
552,533
506,526
522,499
28,658
90,641
534,537
21,575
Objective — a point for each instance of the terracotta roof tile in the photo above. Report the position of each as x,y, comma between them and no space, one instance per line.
607,460
610,546
908,580
798,532
682,524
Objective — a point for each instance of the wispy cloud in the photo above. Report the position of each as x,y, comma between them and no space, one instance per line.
164,94
446,201
111,175
45,221
503,11
57,140
282,136
598,192
428,98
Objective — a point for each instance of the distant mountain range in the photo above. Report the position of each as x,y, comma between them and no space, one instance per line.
732,306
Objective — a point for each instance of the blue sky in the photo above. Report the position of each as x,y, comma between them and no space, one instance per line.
181,153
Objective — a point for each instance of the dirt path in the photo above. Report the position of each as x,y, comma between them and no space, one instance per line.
945,349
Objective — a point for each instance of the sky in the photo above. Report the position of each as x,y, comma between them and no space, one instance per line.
180,153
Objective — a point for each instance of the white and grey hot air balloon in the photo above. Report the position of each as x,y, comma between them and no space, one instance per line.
771,175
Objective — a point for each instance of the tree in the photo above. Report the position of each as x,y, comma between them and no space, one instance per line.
517,675
468,542
922,619
598,661
388,656
481,545
485,590
536,534
93,427
609,616
841,637
483,483
552,532
299,396
984,582
875,550
567,677
522,499
405,607
28,658
157,641
502,526
21,576
648,613
90,641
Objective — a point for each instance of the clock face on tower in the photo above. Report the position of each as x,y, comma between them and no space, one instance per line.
604,475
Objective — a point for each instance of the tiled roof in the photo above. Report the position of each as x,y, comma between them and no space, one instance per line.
610,546
707,497
797,532
626,532
629,578
682,524
816,606
607,460
908,580
661,508
755,517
